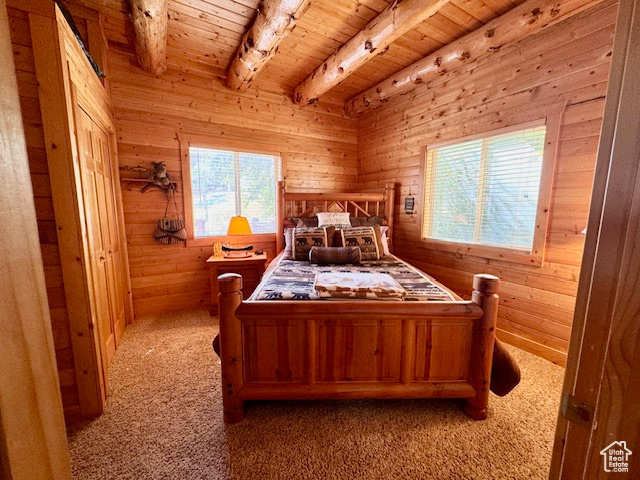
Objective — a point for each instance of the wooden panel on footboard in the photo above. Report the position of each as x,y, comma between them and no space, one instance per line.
356,349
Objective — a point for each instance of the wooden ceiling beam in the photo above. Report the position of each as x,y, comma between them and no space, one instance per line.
150,19
276,19
374,39
522,21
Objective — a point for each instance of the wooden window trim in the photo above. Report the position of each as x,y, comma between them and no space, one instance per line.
535,257
189,140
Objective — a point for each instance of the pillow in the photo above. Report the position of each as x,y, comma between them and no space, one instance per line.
289,222
337,219
367,221
305,238
335,255
332,233
384,230
288,244
369,239
305,222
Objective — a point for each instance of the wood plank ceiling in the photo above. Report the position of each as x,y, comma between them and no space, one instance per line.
203,36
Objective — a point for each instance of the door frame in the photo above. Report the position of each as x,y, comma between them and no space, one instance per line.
52,73
30,400
602,364
59,62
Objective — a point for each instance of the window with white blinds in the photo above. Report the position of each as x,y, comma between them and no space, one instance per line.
485,190
226,183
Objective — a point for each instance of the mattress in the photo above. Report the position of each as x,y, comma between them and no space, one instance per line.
294,280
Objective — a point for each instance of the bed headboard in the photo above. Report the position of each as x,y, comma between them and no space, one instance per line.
300,204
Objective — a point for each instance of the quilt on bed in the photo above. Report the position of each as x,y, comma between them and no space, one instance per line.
294,280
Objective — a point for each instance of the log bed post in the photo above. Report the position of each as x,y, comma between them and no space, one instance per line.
280,214
389,209
229,298
485,295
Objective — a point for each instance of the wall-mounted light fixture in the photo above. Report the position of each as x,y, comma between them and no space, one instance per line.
409,203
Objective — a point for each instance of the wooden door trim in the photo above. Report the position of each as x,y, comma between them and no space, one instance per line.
103,118
66,187
30,400
602,278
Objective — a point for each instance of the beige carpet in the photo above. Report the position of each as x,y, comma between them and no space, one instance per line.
164,421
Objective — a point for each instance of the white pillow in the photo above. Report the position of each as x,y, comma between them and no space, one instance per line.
337,219
385,240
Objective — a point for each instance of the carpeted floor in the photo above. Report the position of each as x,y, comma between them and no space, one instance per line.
164,421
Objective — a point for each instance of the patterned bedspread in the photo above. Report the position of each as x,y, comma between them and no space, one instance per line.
292,280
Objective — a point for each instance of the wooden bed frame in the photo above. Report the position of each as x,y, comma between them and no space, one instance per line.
354,349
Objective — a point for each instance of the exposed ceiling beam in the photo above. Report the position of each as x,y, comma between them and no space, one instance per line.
527,19
150,18
276,19
396,20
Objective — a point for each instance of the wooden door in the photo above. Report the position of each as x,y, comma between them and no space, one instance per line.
92,193
105,254
114,259
601,392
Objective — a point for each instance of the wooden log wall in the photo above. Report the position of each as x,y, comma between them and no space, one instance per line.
567,63
319,148
32,120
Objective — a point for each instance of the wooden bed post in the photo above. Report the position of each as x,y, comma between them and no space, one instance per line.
229,298
389,209
282,188
485,295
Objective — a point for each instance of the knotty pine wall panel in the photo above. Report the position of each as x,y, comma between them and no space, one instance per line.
318,145
32,120
567,63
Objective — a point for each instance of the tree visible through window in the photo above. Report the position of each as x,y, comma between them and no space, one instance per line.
485,190
226,183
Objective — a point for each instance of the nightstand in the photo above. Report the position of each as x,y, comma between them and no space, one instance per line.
251,268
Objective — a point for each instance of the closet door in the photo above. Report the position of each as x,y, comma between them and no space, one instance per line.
103,236
103,160
92,187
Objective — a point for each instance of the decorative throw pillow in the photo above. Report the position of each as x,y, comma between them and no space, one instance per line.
367,221
305,222
335,255
384,230
369,239
305,238
290,222
337,219
288,244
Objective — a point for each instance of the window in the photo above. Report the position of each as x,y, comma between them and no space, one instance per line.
225,183
485,190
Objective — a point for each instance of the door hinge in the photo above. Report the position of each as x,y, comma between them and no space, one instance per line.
576,411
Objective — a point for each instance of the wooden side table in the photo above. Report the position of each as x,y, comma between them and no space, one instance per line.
251,269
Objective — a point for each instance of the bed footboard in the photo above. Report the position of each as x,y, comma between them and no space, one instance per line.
356,349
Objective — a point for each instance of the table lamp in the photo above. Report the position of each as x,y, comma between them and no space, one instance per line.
238,226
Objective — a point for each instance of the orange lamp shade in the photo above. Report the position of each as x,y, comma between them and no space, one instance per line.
239,226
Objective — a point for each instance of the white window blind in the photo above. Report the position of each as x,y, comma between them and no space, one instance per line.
485,190
225,183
